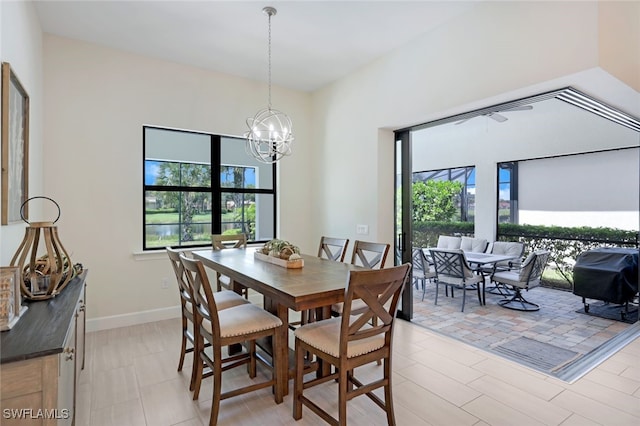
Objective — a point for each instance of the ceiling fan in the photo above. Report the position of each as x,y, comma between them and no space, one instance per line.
499,117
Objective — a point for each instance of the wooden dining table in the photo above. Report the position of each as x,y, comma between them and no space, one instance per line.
317,285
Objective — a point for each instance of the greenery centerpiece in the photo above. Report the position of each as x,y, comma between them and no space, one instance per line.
280,252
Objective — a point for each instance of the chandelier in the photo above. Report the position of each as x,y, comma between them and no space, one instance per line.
270,131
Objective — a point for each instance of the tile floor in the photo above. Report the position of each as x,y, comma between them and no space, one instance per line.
556,323
130,378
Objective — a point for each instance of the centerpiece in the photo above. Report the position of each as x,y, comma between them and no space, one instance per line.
281,253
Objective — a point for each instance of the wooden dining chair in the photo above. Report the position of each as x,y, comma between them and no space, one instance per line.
242,324
222,242
350,341
368,255
224,299
333,248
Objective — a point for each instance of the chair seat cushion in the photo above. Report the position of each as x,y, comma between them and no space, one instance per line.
512,278
357,307
243,319
228,299
473,279
325,336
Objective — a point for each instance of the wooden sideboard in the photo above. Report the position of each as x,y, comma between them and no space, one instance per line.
41,358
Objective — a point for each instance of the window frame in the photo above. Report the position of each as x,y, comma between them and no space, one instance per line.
215,189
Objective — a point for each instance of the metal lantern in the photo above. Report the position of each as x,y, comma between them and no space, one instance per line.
45,275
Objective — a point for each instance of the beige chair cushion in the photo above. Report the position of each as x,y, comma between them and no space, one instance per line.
325,336
476,245
228,299
357,306
224,299
243,319
447,242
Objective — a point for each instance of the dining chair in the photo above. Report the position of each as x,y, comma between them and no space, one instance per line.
224,299
350,341
421,270
368,255
242,324
452,270
222,242
525,278
333,248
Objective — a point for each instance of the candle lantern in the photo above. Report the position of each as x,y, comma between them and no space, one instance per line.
45,264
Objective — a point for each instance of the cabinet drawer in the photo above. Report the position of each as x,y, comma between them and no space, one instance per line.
21,378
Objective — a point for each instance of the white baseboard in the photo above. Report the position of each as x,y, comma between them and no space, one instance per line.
125,320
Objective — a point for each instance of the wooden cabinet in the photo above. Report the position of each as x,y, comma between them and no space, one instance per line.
41,360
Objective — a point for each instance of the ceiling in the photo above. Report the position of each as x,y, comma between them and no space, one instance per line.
313,42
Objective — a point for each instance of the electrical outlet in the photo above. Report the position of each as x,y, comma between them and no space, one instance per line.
362,229
164,283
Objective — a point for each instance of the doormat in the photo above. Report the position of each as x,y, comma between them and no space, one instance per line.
612,311
539,355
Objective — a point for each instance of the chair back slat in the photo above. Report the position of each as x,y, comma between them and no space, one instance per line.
178,269
451,263
369,255
221,242
203,301
333,248
380,290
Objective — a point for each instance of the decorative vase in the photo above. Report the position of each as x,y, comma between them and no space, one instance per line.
46,275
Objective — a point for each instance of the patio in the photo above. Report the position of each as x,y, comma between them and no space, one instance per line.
556,340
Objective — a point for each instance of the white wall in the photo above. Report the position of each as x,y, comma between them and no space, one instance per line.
21,46
97,100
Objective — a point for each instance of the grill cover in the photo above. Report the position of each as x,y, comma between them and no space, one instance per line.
607,274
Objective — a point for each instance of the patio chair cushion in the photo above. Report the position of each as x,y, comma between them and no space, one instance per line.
476,245
447,242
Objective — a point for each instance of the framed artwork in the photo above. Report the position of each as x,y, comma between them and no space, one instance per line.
15,147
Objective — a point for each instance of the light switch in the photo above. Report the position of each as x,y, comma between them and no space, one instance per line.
362,229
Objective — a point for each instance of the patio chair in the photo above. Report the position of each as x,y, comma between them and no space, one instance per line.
452,270
447,242
524,279
421,270
507,248
476,245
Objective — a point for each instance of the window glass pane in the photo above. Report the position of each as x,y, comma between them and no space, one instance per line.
251,214
257,175
177,218
237,177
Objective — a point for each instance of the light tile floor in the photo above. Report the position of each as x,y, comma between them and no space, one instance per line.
130,378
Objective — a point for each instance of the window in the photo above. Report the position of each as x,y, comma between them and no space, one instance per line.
198,184
508,192
464,200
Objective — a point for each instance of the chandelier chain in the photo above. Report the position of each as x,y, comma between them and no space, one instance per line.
270,14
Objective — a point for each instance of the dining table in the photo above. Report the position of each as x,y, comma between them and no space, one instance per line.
315,286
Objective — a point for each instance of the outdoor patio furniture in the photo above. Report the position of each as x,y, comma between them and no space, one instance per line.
526,278
421,269
512,248
453,271
448,242
476,245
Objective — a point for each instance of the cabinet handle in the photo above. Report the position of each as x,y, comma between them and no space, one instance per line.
69,352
